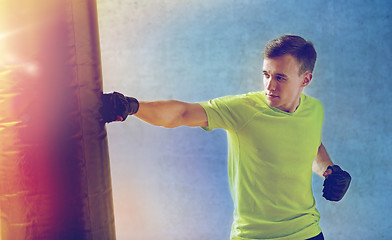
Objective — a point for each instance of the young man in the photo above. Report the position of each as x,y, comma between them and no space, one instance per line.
274,143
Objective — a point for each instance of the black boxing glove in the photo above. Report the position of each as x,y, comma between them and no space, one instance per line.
336,184
115,105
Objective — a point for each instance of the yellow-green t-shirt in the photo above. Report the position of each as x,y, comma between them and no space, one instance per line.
270,156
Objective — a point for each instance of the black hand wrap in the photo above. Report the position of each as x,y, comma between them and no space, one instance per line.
116,104
336,184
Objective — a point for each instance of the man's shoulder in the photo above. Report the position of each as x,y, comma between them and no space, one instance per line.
311,100
312,106
247,97
238,98
254,95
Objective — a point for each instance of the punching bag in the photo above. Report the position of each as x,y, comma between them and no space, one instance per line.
54,166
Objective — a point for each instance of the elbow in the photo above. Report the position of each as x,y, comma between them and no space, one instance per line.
170,125
176,118
176,121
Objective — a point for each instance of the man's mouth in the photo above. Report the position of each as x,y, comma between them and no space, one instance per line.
271,95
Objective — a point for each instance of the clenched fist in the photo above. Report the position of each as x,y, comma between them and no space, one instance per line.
336,184
116,107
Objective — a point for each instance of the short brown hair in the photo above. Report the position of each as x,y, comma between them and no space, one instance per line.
296,46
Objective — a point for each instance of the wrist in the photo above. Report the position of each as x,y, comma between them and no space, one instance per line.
133,105
328,171
334,168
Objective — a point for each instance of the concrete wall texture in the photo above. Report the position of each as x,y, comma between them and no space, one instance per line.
172,183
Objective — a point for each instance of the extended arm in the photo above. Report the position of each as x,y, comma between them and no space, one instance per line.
172,114
321,162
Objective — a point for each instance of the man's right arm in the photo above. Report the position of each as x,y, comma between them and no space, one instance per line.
172,113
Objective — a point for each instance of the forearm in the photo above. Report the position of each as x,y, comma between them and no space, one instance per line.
161,113
172,113
322,161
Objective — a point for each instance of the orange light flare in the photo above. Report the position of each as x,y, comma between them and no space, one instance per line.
14,52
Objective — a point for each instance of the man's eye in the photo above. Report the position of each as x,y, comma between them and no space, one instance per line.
280,78
266,75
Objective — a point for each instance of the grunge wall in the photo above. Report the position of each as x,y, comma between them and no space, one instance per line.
172,183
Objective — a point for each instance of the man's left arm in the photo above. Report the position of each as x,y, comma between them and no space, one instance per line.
322,162
336,181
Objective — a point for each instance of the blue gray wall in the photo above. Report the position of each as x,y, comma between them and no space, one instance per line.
172,183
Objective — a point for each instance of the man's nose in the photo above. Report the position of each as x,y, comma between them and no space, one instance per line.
271,86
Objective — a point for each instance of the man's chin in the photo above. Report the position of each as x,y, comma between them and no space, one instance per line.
273,102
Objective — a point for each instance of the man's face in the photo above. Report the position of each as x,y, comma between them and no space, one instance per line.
282,82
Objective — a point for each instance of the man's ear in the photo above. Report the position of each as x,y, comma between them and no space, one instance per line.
307,77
